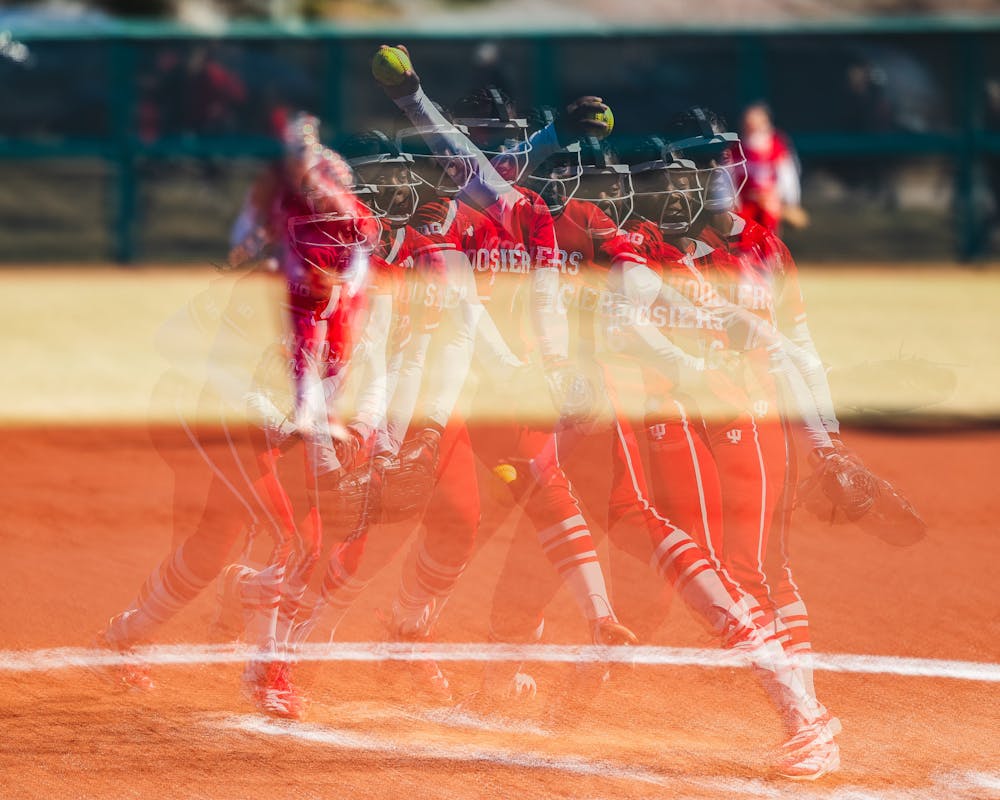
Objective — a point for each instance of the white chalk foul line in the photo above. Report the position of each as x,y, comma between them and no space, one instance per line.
351,740
167,655
453,717
956,785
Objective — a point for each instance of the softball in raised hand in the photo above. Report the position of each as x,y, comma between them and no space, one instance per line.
390,65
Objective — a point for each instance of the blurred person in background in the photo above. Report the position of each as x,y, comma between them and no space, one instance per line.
867,109
192,92
993,161
772,194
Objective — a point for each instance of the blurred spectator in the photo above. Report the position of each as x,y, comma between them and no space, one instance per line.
191,93
772,192
992,114
867,108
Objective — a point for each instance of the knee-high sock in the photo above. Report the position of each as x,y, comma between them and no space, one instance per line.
341,587
791,625
424,587
169,587
682,561
299,573
569,547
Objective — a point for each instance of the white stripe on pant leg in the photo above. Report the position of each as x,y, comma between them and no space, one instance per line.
783,540
212,466
716,561
697,475
763,506
249,483
640,497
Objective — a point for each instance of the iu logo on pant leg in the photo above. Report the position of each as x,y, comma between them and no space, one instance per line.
657,432
734,435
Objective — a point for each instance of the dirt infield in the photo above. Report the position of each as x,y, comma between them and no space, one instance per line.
87,516
909,638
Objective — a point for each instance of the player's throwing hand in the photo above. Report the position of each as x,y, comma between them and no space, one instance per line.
585,116
393,69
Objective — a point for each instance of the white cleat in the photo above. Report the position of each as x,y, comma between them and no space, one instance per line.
822,730
425,673
271,691
230,620
132,674
810,763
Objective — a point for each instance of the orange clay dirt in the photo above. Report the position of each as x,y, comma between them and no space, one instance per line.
87,514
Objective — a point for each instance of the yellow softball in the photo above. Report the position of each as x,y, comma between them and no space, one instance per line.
505,472
389,65
606,117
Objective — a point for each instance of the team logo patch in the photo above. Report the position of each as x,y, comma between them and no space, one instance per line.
658,431
735,435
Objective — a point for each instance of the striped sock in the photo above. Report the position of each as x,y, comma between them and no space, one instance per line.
340,589
260,595
791,625
569,546
424,587
169,588
300,572
679,559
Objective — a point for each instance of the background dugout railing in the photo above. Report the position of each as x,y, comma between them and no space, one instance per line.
137,142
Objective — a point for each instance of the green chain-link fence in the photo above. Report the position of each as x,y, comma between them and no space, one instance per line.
137,141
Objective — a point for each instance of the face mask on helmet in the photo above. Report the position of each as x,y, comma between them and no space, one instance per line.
436,167
386,184
609,187
721,165
335,246
504,142
557,180
668,193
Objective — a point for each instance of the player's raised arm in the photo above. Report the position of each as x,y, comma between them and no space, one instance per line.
484,187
